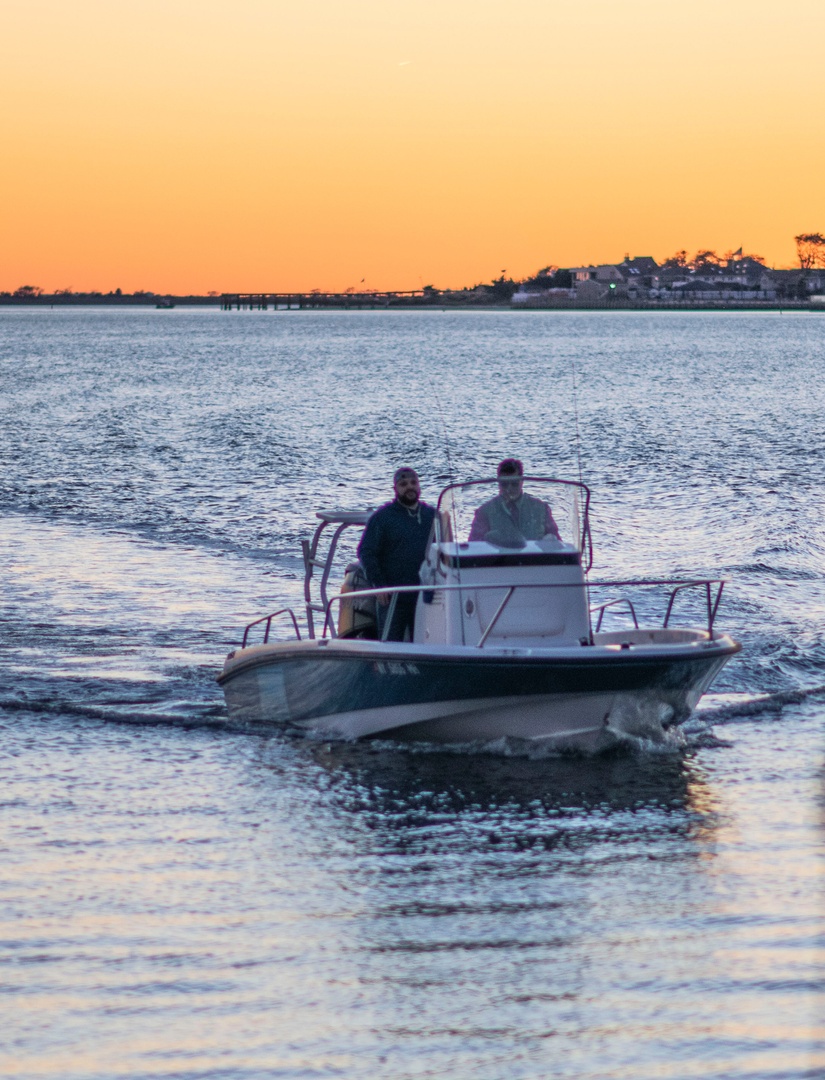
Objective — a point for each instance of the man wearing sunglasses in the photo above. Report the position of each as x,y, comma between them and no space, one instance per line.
513,516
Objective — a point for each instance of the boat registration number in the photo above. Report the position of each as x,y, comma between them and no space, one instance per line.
396,667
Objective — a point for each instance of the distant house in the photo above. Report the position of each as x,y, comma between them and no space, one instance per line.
595,283
605,273
745,266
582,273
743,273
639,274
642,265
668,276
716,289
796,284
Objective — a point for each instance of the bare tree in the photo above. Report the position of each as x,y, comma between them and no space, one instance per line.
810,250
679,261
705,260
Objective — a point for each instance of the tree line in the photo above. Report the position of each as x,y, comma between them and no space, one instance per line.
810,250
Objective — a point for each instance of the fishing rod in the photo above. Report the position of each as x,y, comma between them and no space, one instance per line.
585,533
576,416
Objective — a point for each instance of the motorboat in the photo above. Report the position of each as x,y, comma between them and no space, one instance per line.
513,638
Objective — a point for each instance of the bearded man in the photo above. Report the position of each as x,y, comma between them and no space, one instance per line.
392,550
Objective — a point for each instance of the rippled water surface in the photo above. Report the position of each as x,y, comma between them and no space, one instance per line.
180,899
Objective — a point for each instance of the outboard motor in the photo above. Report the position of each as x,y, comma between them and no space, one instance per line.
357,618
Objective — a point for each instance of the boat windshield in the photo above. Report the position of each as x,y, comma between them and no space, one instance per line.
513,511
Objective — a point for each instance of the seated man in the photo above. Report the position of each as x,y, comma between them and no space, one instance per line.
511,515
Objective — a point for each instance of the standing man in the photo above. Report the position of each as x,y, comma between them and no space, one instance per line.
392,550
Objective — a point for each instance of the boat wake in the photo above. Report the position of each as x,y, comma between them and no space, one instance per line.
189,713
672,744
731,708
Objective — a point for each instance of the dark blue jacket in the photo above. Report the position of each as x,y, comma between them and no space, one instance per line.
394,543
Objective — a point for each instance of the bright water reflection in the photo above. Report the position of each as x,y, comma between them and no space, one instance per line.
179,900
176,904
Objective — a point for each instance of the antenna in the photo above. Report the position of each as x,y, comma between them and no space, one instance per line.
455,518
446,440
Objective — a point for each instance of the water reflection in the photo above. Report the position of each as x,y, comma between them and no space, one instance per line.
510,901
393,780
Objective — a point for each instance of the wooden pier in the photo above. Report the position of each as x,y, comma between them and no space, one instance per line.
315,299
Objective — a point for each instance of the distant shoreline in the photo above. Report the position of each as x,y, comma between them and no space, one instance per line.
406,304
107,300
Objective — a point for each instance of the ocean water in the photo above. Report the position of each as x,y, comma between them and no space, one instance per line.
182,900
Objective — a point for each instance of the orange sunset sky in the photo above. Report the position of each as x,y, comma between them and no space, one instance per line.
189,145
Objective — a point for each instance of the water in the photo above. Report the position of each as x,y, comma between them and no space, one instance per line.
182,900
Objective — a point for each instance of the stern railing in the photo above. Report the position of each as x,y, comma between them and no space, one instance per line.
268,620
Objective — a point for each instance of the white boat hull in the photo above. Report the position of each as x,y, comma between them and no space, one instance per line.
584,697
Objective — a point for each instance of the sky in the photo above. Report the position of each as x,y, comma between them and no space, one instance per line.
187,145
